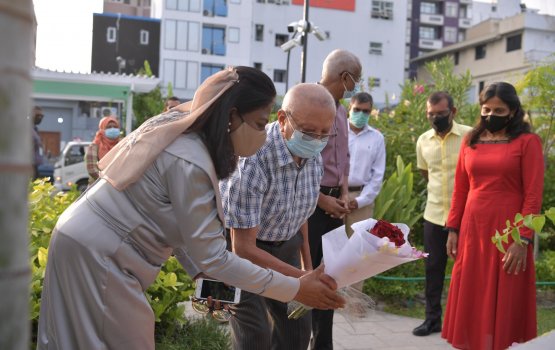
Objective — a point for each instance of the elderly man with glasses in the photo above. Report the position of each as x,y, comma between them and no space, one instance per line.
341,77
267,202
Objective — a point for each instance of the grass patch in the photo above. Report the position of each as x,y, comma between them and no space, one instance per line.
197,334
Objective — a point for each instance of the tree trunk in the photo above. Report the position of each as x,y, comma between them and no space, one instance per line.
17,53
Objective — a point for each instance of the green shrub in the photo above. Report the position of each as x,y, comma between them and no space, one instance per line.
172,286
196,334
545,269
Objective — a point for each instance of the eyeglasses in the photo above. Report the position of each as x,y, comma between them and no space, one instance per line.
306,135
220,314
439,115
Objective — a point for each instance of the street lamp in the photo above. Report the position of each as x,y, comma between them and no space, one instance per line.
302,27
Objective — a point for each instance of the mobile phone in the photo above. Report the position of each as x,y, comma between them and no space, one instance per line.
217,290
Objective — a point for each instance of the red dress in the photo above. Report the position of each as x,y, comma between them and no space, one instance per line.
486,307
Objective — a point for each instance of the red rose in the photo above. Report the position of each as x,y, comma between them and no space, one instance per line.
385,229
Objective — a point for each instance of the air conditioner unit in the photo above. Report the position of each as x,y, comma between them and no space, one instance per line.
207,13
95,113
206,51
108,111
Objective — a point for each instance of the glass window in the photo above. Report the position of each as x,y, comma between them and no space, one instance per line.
74,155
233,35
281,39
194,5
451,9
192,75
375,48
259,32
450,34
144,37
111,35
514,42
180,75
171,4
213,40
382,9
183,5
480,52
169,71
208,69
258,65
169,40
193,39
212,8
427,33
428,7
181,35
279,75
463,12
456,58
374,82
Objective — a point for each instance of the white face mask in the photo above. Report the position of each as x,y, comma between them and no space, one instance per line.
247,140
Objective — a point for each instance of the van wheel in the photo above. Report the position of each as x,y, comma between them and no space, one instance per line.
82,185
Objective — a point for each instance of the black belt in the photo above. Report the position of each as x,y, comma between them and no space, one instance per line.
355,188
270,243
331,191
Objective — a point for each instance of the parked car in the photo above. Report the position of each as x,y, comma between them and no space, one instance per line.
70,169
46,170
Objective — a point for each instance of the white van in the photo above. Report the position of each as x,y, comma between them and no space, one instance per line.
70,169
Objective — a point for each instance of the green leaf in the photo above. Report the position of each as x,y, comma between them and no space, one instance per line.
528,220
42,256
518,218
550,213
515,234
537,223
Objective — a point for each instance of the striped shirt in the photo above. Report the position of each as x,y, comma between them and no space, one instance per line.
271,191
91,161
438,156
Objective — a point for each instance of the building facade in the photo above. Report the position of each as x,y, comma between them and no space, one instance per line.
137,8
201,37
499,50
122,43
434,24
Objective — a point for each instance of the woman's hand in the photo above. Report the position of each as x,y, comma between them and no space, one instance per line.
515,258
452,243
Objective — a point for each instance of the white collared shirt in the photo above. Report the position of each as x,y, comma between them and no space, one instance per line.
367,149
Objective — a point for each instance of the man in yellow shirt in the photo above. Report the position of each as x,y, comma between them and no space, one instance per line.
437,151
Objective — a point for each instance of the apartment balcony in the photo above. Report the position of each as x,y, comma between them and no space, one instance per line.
427,18
430,44
465,22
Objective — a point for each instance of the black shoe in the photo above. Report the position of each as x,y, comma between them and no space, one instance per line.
427,328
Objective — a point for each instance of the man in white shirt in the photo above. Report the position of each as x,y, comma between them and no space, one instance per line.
367,149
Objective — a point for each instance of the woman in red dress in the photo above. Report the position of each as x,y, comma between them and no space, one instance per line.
492,297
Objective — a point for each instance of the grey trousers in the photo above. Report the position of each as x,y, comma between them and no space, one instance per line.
261,323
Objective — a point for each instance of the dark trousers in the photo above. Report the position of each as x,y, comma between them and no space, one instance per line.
435,241
261,323
319,224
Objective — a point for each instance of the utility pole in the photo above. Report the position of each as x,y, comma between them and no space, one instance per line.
306,30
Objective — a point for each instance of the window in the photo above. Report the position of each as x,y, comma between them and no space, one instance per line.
374,82
429,7
213,8
258,65
208,69
181,35
213,40
75,155
281,39
111,35
144,37
375,48
450,34
456,58
181,74
463,12
382,9
259,32
233,35
171,4
183,5
451,9
481,86
428,33
514,42
480,52
279,75
234,1
462,35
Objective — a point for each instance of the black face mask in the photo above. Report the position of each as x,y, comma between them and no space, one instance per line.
495,123
441,124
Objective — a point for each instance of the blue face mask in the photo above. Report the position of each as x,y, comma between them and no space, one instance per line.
359,119
112,133
299,145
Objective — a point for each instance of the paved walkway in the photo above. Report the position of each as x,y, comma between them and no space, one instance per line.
377,330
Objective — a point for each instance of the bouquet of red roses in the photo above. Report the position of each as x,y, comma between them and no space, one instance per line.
385,229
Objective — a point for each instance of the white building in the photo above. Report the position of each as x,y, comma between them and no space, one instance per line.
200,37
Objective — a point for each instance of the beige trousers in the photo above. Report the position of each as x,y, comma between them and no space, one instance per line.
357,215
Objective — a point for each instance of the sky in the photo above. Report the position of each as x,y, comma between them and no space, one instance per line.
64,31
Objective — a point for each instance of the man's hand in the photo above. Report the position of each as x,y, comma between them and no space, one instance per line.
332,206
452,242
317,290
515,258
353,204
